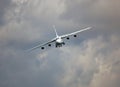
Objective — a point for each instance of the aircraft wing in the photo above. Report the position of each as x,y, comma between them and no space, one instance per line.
74,33
41,45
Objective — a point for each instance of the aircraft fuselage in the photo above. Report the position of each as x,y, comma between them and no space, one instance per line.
59,42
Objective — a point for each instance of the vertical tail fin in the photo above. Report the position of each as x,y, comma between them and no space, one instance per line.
55,31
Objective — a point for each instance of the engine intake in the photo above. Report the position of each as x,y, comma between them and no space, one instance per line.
49,45
42,48
67,38
75,35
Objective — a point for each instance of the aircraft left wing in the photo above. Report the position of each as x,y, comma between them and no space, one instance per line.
74,33
38,46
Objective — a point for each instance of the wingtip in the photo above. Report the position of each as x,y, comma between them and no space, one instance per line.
89,27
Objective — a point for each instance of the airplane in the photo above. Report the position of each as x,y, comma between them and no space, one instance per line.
59,42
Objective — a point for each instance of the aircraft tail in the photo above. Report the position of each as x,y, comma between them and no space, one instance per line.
55,31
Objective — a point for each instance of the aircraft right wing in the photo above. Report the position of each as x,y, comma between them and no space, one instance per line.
67,35
53,40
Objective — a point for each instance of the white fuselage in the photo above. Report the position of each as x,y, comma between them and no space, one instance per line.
59,42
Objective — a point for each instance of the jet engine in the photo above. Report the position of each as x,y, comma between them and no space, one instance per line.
75,35
67,38
49,45
42,48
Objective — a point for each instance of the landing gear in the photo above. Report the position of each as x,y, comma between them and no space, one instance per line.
56,45
59,44
63,43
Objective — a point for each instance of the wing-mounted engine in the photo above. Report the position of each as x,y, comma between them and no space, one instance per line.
49,45
42,48
75,35
67,38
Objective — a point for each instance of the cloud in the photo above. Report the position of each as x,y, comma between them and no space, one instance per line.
92,62
101,14
4,4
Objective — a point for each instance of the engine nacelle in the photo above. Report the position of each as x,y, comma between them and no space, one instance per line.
67,38
49,45
42,48
75,35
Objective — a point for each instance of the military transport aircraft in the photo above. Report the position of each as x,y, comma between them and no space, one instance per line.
59,39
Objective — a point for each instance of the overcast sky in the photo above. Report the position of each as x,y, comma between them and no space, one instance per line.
90,60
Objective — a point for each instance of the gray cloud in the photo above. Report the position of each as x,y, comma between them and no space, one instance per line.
4,5
103,14
92,62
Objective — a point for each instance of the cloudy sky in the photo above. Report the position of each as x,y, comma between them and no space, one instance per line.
91,60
